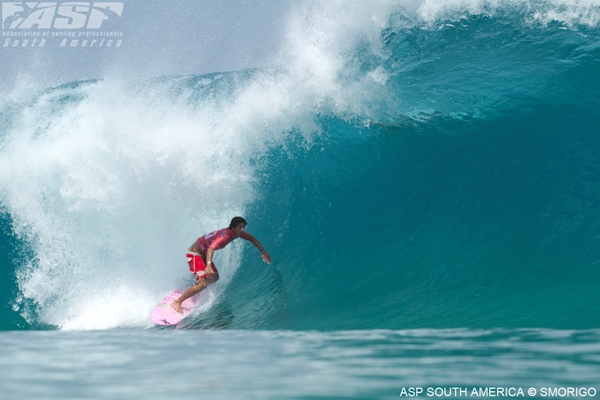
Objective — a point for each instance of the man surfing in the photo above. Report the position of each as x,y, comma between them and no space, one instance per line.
200,256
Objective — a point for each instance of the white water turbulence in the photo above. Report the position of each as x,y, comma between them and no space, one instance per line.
108,187
108,182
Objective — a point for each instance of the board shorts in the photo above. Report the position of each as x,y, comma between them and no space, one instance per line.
198,265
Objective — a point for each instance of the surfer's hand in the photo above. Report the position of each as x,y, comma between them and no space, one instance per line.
265,256
209,270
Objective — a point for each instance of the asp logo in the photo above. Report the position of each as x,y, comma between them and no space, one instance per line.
54,15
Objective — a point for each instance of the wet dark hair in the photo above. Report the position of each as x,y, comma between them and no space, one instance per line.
236,221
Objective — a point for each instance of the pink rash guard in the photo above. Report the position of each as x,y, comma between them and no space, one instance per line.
218,239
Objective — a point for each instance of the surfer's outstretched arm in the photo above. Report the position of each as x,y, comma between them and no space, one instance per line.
263,253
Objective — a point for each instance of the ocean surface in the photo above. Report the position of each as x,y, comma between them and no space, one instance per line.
424,174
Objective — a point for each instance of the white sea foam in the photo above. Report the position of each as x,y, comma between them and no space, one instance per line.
109,192
569,12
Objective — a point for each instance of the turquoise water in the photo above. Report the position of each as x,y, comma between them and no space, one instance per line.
373,364
425,176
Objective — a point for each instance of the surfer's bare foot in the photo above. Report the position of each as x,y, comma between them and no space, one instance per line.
177,307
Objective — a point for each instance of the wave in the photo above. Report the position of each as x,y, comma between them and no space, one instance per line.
406,165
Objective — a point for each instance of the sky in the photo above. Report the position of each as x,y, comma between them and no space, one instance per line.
158,37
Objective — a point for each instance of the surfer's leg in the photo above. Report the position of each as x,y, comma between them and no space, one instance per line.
197,288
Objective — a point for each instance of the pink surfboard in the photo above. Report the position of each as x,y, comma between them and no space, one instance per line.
164,314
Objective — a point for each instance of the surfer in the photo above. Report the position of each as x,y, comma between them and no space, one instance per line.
200,256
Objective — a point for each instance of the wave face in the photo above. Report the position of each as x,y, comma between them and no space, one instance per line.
406,164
